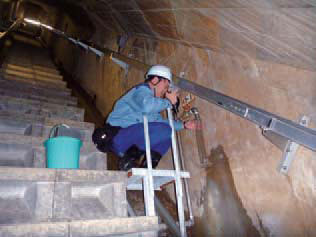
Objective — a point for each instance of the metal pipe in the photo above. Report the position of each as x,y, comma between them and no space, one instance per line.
186,185
167,218
163,213
130,209
200,139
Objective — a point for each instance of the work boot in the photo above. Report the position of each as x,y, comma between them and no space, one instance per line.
129,160
155,158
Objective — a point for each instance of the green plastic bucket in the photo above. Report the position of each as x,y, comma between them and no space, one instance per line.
63,152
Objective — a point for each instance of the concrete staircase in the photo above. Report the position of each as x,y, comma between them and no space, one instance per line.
36,201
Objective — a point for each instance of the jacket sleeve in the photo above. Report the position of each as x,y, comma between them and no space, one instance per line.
143,100
178,125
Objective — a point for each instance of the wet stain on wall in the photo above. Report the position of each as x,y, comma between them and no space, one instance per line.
224,214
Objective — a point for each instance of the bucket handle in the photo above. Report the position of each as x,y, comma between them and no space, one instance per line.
53,132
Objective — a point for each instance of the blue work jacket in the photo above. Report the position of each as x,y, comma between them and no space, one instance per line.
140,100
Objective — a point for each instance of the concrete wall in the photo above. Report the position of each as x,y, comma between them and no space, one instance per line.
277,205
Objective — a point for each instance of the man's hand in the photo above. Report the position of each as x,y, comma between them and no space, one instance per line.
192,125
172,96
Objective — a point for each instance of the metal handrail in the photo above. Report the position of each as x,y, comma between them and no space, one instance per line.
179,188
148,179
13,27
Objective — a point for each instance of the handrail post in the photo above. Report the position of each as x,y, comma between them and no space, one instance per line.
179,189
148,181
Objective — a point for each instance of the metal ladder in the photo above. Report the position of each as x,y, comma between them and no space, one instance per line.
150,180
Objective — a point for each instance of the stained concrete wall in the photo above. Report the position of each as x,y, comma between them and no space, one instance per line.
276,204
257,52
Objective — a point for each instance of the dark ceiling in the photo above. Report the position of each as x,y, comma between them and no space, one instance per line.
281,31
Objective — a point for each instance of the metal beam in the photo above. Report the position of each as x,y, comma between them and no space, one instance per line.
267,121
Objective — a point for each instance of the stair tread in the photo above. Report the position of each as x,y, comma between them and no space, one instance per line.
28,65
49,99
10,138
89,228
34,102
46,120
43,83
26,106
34,195
29,75
60,175
29,69
38,125
9,84
27,151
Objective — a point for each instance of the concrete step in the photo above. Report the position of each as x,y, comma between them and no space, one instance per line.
26,106
29,88
127,227
72,101
35,82
31,69
29,152
30,72
51,69
29,75
40,126
18,60
32,195
44,64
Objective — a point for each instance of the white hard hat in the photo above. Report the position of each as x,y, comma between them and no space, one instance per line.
161,71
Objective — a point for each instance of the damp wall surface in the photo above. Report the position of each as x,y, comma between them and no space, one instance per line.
263,64
277,205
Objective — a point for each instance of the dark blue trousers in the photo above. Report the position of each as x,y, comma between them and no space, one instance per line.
159,133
